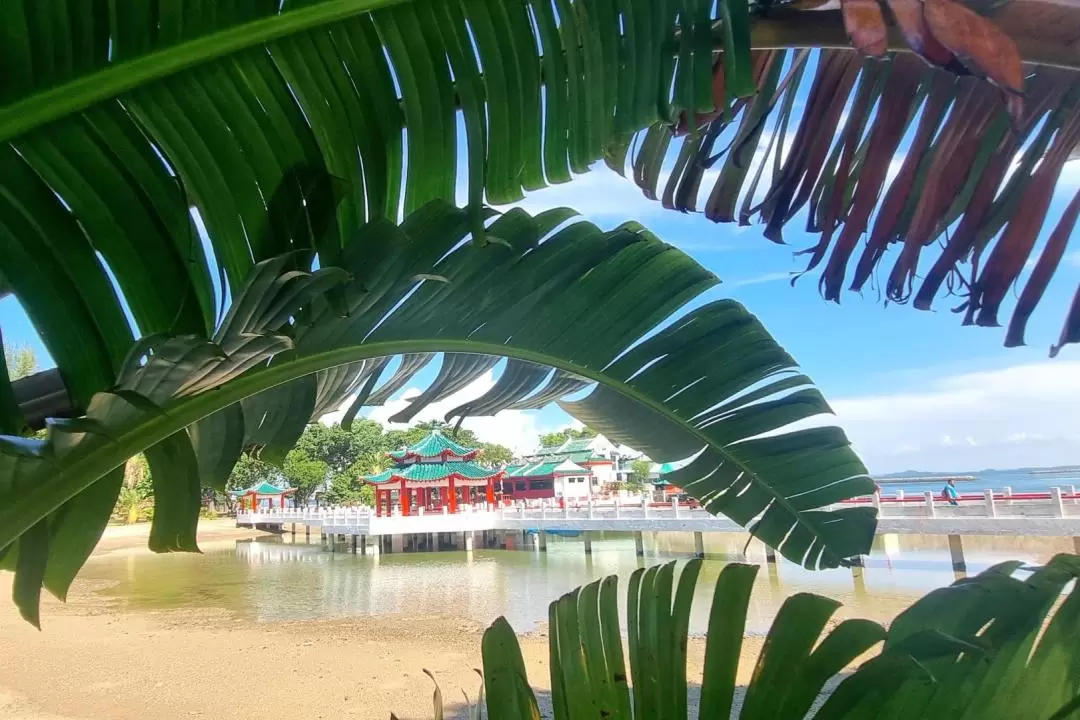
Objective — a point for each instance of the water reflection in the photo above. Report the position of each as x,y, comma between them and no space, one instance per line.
272,579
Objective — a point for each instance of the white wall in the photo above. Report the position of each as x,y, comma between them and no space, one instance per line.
572,486
604,474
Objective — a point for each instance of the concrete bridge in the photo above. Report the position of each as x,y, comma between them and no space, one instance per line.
1052,514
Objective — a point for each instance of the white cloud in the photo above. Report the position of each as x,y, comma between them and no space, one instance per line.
516,429
1017,416
759,279
597,194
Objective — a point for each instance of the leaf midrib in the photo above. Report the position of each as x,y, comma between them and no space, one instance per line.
80,93
44,498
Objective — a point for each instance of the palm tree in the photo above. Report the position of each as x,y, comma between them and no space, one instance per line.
235,179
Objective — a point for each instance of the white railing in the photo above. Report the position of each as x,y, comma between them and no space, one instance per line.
1044,513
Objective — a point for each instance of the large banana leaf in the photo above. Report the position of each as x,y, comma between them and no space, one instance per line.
548,293
278,126
285,125
981,648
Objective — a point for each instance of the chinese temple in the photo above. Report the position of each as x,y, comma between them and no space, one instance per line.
434,473
573,469
255,496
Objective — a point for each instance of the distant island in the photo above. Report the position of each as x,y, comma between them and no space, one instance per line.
913,476
900,479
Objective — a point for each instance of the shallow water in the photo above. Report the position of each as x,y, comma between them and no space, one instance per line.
276,578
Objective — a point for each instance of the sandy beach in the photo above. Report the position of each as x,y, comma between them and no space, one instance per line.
93,659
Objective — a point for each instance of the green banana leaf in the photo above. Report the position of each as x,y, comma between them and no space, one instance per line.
607,308
985,647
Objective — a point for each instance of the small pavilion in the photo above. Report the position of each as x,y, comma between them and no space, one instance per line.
272,495
434,473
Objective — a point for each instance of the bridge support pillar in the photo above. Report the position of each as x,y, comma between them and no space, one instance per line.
307,533
397,543
468,539
699,545
1076,545
858,580
543,540
355,539
588,542
890,542
1057,508
639,544
332,539
770,555
293,533
956,551
372,544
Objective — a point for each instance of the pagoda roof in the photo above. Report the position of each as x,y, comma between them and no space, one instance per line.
435,445
585,456
575,450
546,468
263,488
434,472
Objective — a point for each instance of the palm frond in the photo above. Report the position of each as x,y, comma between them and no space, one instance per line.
980,648
963,175
571,297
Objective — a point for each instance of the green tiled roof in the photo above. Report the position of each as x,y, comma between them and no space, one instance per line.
433,472
573,446
434,445
574,450
264,488
544,468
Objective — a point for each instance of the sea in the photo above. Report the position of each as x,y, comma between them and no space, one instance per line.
1019,479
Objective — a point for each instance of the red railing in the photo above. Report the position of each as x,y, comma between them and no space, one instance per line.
971,497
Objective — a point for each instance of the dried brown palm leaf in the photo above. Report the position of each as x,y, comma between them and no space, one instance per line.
1045,94
1042,273
939,95
836,74
894,115
951,164
1007,259
980,45
865,25
1070,333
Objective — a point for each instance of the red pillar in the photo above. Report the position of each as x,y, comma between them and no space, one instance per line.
282,501
491,491
404,498
452,497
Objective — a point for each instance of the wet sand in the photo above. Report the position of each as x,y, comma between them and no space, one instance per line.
94,659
